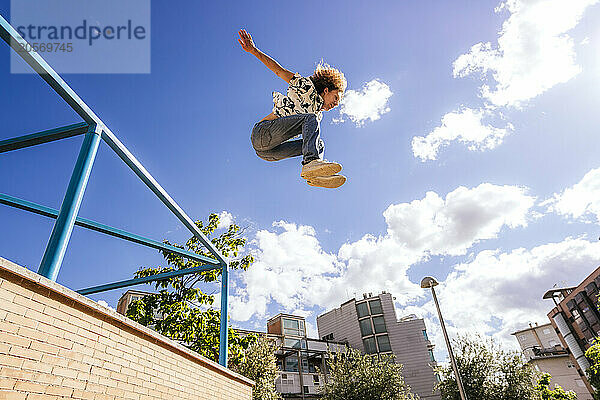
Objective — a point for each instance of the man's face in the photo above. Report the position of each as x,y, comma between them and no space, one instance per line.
331,98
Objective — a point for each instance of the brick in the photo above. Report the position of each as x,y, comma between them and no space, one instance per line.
7,383
10,361
14,339
81,394
54,360
74,383
79,366
6,326
8,305
21,320
10,395
87,334
39,316
49,379
41,396
36,366
59,391
26,353
64,372
44,347
30,387
38,334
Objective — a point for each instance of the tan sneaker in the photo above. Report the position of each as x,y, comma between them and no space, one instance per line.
319,168
330,182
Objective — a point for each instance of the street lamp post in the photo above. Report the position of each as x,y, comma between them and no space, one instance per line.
429,282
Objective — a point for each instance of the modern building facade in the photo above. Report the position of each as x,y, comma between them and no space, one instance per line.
371,326
542,348
301,361
576,319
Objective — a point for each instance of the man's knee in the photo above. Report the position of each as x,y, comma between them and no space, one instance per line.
266,156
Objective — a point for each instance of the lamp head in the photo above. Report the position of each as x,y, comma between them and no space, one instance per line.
429,282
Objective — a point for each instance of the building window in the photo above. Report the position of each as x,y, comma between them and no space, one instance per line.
305,389
293,327
362,310
546,331
369,344
294,343
570,364
431,355
365,327
383,342
375,306
328,337
291,364
523,338
316,379
379,325
425,335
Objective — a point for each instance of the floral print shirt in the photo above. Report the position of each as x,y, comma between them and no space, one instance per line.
302,98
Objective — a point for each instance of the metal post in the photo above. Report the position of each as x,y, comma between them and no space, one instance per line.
223,329
61,233
461,390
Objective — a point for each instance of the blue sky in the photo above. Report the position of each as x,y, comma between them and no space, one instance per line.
500,203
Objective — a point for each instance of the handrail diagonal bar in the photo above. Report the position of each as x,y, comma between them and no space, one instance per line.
149,180
46,136
16,41
98,227
145,279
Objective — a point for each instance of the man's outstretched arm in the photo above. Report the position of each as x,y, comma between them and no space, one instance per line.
247,44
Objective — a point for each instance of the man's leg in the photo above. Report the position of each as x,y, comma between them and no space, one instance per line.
291,148
267,135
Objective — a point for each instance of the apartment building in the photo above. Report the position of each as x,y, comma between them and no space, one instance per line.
371,326
542,348
129,297
301,361
576,319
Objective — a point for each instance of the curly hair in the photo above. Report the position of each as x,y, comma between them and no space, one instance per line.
325,76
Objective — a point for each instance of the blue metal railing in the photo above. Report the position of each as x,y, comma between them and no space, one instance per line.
66,218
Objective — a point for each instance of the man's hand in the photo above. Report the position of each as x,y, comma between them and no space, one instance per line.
246,41
248,45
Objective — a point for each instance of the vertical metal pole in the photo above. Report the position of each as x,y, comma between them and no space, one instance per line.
61,233
223,329
461,390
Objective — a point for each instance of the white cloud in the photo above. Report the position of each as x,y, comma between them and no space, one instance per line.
466,126
581,200
225,219
292,269
466,216
367,104
499,293
533,54
103,303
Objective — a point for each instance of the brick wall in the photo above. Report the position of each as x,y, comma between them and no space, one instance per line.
55,343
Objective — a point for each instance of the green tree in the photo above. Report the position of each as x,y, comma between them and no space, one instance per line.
259,365
356,376
179,309
557,394
487,372
593,372
490,373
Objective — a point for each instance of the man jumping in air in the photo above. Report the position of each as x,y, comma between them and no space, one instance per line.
298,113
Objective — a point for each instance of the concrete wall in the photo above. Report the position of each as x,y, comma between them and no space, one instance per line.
563,375
55,343
411,350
